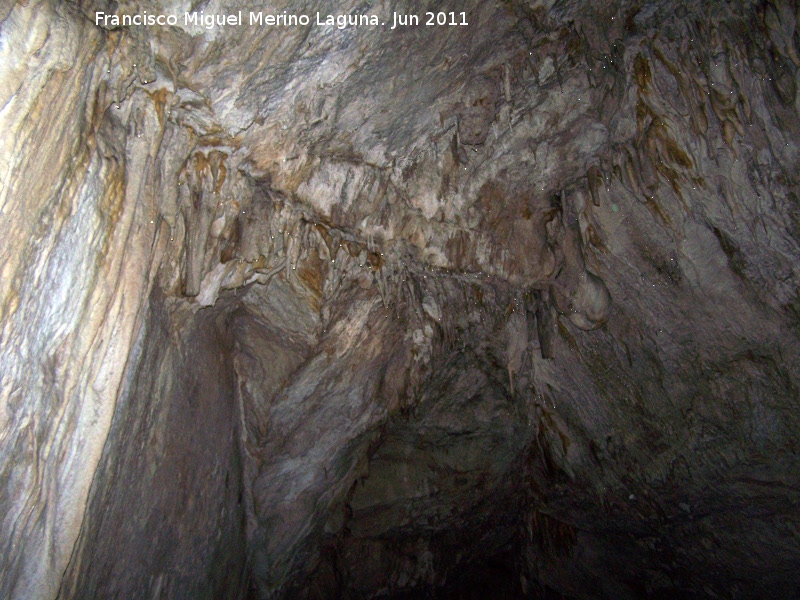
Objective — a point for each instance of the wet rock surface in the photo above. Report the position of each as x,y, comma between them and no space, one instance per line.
490,311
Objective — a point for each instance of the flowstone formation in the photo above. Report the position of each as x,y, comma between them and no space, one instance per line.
507,309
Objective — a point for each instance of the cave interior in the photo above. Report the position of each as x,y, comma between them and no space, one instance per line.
502,306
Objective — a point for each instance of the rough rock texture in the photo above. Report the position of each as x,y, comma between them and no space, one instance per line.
503,310
170,480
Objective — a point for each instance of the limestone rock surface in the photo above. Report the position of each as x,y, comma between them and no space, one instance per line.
503,309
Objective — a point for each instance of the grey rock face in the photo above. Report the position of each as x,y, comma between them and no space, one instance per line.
506,309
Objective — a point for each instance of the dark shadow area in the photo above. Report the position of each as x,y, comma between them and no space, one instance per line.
166,517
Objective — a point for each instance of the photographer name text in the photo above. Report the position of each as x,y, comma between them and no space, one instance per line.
283,19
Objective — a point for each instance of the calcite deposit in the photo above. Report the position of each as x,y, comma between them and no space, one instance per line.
504,307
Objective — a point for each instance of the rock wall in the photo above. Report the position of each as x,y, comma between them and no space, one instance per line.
78,250
166,512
